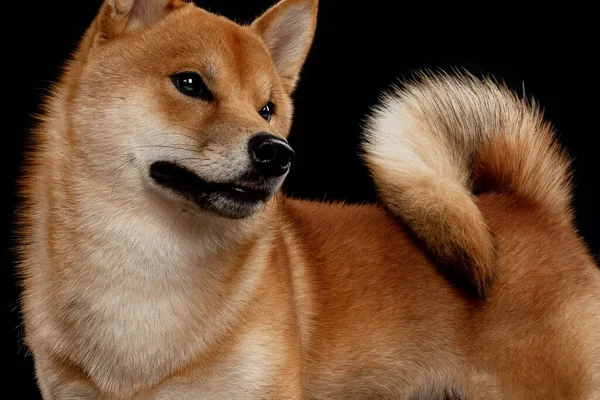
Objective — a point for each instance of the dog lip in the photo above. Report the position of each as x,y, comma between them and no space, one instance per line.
176,177
160,173
188,184
248,185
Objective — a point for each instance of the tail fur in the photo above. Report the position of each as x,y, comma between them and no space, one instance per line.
433,143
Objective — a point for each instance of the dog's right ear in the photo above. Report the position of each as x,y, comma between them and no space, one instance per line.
119,16
288,29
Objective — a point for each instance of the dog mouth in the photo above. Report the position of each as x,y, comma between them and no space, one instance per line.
237,199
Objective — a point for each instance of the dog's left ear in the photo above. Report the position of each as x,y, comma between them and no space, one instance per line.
288,29
120,16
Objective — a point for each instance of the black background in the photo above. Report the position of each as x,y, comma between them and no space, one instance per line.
361,47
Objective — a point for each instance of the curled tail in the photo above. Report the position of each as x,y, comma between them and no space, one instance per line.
433,143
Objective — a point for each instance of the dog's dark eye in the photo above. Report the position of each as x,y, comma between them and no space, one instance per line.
191,84
267,111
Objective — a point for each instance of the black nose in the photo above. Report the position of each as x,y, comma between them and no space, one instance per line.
271,155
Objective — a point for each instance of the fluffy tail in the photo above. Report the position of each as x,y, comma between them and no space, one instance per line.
431,144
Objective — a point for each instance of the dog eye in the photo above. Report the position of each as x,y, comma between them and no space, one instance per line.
267,111
191,84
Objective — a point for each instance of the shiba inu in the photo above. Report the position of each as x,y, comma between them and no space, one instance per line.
160,261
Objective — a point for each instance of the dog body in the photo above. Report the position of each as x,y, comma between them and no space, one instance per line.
159,262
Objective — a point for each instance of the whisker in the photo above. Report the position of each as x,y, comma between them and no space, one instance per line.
158,146
193,222
195,131
123,164
183,134
187,128
111,154
122,167
177,219
191,158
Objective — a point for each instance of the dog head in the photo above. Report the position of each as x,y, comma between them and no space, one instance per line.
199,106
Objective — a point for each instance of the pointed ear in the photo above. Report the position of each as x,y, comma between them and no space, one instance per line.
119,16
288,29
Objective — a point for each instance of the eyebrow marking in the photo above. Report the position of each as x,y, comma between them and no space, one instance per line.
210,67
211,70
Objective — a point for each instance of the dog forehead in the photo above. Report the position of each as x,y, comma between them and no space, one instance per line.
219,45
